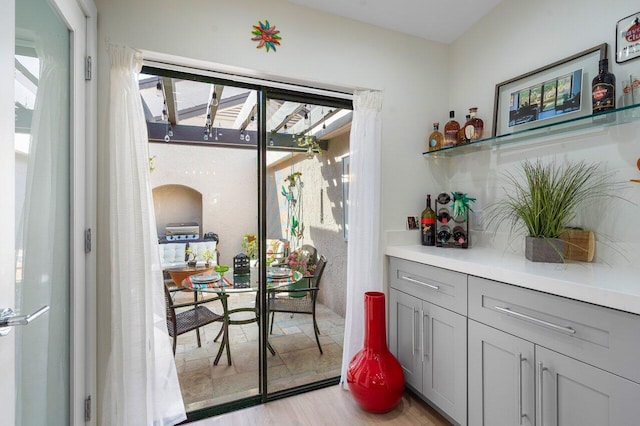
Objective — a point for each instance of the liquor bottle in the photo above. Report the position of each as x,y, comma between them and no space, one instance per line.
436,139
462,136
428,224
443,216
444,234
459,235
451,130
603,89
474,126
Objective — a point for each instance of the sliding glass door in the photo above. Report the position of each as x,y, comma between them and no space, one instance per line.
256,179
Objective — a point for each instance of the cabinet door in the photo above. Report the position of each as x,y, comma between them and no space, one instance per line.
444,352
572,393
501,378
404,335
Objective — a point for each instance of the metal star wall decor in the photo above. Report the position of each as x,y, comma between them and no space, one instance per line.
266,36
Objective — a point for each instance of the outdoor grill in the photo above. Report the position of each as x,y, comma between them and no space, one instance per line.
182,231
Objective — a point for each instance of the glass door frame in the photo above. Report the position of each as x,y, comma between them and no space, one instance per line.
80,17
264,93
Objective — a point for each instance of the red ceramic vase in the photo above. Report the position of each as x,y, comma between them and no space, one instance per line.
375,376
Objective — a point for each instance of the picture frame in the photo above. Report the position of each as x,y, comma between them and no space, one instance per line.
628,38
552,93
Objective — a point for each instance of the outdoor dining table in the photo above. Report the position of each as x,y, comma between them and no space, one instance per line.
228,283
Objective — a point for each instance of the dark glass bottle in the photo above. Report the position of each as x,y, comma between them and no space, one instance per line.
444,234
603,89
459,235
428,224
451,130
443,216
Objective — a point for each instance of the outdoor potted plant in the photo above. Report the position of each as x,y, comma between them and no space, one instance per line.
544,198
193,254
250,247
207,255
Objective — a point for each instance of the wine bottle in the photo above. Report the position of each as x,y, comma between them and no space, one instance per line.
428,224
443,216
444,234
436,139
603,88
451,130
459,235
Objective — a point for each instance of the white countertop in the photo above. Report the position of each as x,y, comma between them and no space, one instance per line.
615,287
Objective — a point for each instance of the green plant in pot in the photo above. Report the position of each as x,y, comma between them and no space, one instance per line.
544,200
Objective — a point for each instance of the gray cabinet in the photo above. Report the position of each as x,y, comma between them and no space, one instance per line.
573,393
429,340
501,378
526,380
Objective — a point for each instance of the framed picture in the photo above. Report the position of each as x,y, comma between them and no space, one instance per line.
552,93
628,38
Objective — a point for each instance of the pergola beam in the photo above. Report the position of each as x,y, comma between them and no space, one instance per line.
170,98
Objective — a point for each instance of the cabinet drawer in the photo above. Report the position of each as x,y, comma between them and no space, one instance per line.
439,286
599,336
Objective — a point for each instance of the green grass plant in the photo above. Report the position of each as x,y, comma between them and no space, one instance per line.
544,198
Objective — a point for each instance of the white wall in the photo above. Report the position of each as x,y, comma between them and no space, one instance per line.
519,36
316,47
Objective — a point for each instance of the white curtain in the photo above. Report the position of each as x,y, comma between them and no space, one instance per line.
364,264
142,383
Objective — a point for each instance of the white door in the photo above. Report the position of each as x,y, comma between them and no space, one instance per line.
42,219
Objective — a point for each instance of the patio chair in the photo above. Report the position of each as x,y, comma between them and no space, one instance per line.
299,305
192,319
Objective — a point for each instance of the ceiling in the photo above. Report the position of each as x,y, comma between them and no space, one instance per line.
438,20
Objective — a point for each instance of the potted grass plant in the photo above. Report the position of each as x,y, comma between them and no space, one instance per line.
544,198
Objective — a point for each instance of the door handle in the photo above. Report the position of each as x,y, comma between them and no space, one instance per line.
8,319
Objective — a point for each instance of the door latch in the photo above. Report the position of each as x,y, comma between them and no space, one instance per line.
8,319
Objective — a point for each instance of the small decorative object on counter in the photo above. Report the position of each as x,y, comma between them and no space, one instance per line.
474,126
451,130
436,139
427,225
457,207
374,376
603,88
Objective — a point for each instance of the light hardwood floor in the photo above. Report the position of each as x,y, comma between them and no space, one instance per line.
328,406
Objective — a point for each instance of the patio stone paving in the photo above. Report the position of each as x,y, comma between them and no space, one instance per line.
297,361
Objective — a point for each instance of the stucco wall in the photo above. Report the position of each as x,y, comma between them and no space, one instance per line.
322,177
227,180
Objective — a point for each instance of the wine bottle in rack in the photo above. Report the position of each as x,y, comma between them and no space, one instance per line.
443,215
459,235
428,224
444,234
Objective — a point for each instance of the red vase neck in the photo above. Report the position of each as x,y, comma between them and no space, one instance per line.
375,333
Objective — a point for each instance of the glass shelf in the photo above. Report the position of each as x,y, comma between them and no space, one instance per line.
610,118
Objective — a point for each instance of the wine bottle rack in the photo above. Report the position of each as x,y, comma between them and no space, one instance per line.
447,224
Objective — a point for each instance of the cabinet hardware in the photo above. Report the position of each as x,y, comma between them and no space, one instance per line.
413,332
541,370
520,413
427,338
538,321
435,287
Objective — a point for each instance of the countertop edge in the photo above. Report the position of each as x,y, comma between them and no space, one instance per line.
615,287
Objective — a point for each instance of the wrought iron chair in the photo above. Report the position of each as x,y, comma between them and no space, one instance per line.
192,319
299,305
